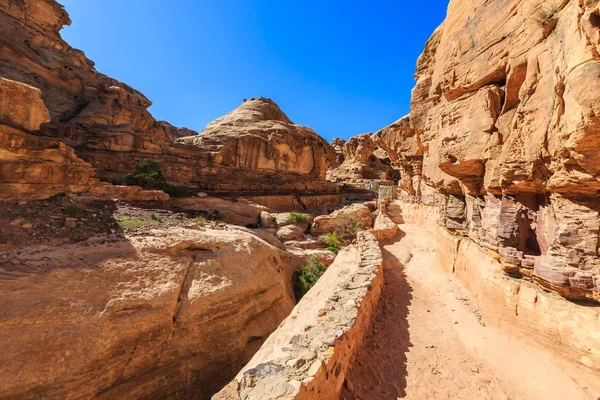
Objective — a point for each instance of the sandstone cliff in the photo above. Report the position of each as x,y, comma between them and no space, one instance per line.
109,126
362,161
504,119
259,138
31,166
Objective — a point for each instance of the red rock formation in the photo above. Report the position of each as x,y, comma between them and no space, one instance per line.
362,161
34,167
253,148
504,116
404,147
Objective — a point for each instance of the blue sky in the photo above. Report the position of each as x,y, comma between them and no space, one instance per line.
339,67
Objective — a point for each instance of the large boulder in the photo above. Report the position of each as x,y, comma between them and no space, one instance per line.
291,232
267,220
346,221
174,314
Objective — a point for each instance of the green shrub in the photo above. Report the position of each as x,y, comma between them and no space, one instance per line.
307,275
149,176
201,221
71,210
333,240
176,191
297,218
156,217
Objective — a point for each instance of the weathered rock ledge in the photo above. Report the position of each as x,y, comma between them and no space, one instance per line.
573,330
311,351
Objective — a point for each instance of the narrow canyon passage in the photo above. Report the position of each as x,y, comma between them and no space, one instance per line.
429,342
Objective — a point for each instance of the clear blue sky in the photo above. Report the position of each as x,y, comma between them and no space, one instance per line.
339,67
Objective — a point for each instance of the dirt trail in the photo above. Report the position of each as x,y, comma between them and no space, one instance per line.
429,342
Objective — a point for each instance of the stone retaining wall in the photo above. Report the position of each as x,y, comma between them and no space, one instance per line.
311,351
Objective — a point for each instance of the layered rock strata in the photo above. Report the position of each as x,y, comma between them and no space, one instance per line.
31,166
254,148
569,329
504,133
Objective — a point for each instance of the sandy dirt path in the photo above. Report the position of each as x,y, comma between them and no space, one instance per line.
429,342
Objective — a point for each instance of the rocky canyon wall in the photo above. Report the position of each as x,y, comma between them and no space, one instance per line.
254,148
504,134
362,160
31,166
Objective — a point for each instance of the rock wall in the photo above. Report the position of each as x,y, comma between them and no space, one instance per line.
363,161
254,148
567,328
173,313
504,128
31,166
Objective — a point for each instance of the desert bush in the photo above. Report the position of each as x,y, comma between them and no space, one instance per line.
297,218
176,191
307,275
201,221
156,217
333,240
71,210
149,176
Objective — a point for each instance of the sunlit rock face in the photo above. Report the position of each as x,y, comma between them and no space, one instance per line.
505,116
257,136
34,167
170,314
362,160
108,124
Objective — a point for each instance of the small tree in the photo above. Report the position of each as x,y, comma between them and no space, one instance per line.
307,275
333,240
147,175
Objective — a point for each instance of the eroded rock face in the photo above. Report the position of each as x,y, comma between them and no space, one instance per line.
31,166
363,161
403,146
109,126
259,136
174,314
505,117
